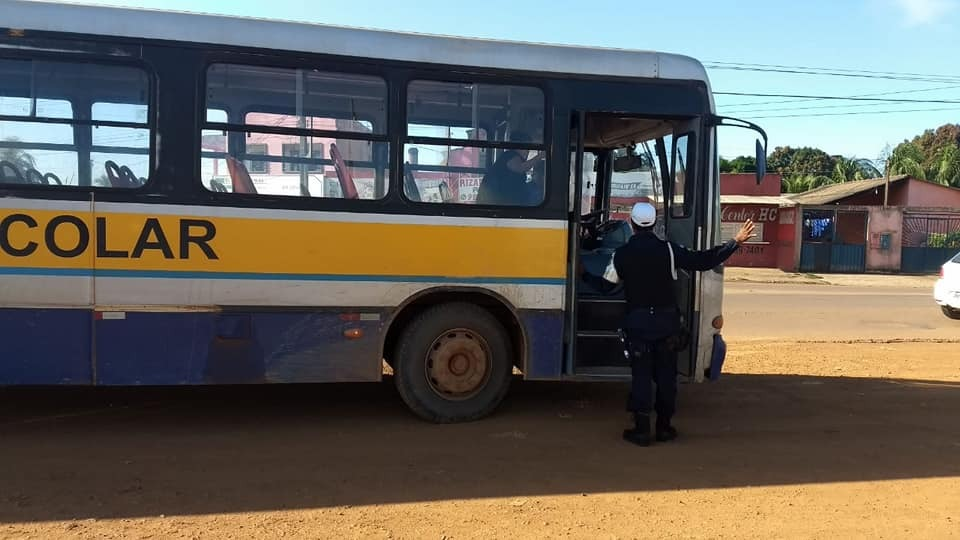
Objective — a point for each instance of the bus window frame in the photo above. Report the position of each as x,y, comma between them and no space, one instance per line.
152,124
690,180
293,62
457,76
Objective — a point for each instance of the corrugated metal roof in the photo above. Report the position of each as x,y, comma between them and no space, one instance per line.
756,199
834,192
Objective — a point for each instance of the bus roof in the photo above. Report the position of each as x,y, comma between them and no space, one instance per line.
343,41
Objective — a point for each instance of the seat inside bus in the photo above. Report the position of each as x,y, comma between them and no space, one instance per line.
73,123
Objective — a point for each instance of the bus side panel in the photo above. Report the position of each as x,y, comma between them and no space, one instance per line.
45,346
544,331
236,347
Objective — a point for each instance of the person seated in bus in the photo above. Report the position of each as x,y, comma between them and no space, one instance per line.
648,266
505,183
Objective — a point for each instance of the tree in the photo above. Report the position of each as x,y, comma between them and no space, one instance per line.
933,140
945,169
739,164
810,161
17,156
850,169
804,161
802,183
934,155
907,158
780,159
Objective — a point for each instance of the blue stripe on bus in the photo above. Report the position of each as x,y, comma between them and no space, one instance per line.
173,274
159,348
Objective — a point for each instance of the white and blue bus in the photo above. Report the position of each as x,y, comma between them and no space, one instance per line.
193,199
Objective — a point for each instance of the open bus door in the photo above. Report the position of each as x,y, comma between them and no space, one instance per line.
685,190
668,160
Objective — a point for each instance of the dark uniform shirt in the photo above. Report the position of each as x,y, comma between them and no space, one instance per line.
644,266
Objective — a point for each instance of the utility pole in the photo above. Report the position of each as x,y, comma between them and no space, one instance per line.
886,190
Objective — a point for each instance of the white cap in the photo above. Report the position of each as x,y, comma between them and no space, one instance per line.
643,214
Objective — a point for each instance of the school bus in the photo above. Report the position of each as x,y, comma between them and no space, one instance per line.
193,199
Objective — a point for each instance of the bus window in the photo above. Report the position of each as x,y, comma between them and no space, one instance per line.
128,147
637,176
475,144
305,133
21,154
73,124
681,204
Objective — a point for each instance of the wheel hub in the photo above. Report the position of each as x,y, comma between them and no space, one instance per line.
458,364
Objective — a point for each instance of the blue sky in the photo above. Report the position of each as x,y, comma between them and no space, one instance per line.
908,36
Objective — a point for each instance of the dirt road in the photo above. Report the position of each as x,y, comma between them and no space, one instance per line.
811,440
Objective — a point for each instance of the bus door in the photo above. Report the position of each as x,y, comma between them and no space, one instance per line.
684,225
655,164
597,350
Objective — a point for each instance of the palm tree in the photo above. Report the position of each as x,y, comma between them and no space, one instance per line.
853,168
907,158
18,156
945,169
800,184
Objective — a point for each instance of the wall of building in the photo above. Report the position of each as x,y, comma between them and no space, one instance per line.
921,193
908,192
884,241
788,240
762,252
874,197
746,184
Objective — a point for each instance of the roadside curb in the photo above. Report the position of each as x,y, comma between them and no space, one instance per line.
776,277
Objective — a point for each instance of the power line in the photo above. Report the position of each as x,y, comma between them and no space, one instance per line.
843,70
809,115
839,98
932,78
810,108
913,91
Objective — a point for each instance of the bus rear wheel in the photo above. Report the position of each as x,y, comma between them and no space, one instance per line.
453,363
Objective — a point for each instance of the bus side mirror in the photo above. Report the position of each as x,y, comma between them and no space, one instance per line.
715,120
761,162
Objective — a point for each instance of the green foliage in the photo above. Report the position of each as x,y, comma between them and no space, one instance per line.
933,155
739,164
802,183
944,240
850,169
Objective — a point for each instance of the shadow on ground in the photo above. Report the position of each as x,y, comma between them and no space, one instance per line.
108,453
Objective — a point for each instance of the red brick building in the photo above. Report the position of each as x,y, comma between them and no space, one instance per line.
741,198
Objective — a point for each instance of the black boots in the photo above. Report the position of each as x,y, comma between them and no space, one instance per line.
640,434
665,432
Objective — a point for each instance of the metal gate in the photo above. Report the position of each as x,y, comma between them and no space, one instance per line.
834,241
929,240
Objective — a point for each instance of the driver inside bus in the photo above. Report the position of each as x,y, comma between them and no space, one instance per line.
505,183
648,266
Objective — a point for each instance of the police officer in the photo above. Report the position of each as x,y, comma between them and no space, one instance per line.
647,266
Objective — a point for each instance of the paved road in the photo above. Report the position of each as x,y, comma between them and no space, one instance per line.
821,312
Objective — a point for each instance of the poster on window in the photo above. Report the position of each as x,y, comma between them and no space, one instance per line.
467,188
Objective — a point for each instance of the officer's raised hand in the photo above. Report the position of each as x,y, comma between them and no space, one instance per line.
746,232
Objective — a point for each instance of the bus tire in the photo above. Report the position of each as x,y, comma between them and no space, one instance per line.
950,312
453,363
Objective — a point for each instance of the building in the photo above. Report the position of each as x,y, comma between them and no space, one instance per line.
741,198
901,225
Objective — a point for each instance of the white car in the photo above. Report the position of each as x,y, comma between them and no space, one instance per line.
947,290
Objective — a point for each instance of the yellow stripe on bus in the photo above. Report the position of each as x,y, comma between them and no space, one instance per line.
127,241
